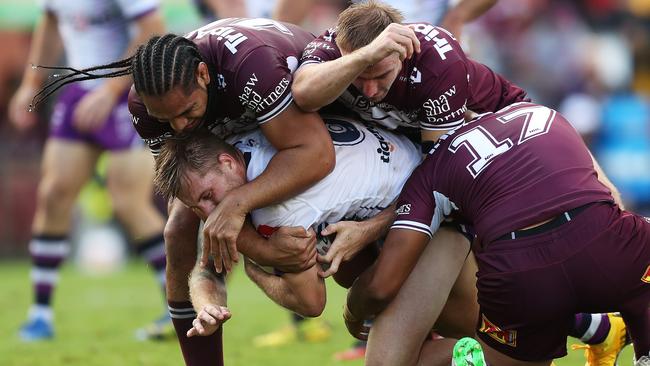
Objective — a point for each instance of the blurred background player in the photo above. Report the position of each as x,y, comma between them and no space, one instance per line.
88,118
449,14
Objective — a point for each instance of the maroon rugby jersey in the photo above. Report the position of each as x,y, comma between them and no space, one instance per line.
434,88
251,64
503,172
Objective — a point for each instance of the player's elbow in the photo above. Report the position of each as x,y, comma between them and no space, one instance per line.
303,96
320,159
312,305
381,293
325,159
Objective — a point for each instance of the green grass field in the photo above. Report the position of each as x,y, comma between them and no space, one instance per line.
96,318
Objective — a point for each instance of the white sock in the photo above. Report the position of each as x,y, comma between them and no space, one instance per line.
44,312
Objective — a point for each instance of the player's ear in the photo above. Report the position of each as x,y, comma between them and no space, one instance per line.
226,162
202,74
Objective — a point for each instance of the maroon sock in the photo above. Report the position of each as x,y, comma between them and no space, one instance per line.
197,351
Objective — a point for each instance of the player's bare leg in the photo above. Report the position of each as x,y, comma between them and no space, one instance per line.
181,233
638,321
129,182
459,316
181,248
65,167
436,352
418,303
494,357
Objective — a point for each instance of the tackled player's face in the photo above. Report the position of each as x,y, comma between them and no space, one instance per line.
375,81
183,110
202,193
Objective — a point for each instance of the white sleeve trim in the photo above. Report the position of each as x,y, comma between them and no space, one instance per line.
412,225
310,61
442,127
277,110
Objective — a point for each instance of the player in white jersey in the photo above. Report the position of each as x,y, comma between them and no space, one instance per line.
372,166
88,118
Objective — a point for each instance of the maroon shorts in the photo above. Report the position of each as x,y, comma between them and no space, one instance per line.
529,288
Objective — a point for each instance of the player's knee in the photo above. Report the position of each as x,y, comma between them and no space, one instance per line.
126,209
178,263
175,236
55,196
313,308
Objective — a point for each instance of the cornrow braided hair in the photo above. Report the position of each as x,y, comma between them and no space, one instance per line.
158,66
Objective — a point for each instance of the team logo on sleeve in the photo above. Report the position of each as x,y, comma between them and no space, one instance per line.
416,76
404,209
646,276
507,337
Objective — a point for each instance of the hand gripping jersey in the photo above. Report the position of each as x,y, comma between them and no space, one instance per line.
434,88
502,172
88,26
372,164
251,63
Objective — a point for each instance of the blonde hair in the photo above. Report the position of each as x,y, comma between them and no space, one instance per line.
362,22
193,151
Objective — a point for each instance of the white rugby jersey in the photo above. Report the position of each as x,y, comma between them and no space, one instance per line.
96,32
372,165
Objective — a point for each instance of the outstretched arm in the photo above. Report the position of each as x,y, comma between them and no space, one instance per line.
302,293
317,85
208,294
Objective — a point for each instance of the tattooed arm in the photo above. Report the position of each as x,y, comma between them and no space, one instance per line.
208,294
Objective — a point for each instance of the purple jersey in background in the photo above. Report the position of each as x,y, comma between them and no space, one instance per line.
502,172
252,61
434,88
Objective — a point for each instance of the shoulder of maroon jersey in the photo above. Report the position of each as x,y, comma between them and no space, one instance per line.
242,37
323,44
249,28
146,126
439,50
